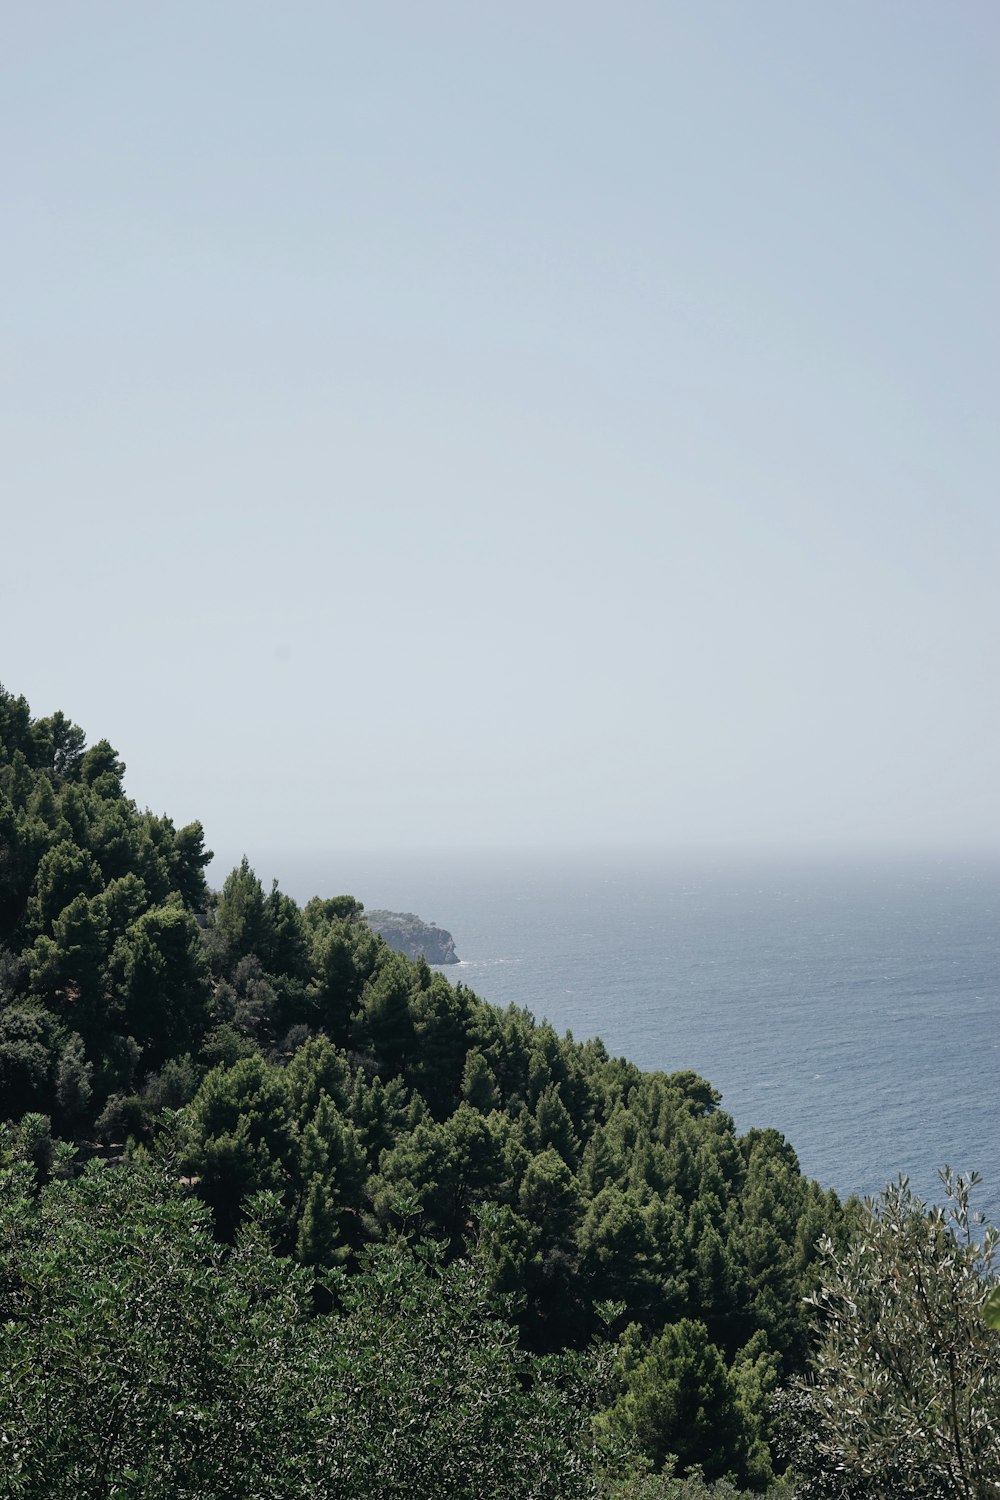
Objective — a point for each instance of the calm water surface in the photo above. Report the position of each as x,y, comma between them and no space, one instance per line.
853,1006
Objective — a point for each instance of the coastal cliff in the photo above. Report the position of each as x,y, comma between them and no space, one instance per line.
413,937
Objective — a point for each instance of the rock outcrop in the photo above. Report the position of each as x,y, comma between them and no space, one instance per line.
408,934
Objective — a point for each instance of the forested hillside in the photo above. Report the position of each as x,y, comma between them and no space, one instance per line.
273,1188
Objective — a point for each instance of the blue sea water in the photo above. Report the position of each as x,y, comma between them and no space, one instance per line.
852,1005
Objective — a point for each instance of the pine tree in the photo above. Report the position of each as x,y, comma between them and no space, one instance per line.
316,1244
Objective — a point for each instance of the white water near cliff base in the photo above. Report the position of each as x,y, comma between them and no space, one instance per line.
854,1006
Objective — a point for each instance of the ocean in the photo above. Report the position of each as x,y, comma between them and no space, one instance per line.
854,1005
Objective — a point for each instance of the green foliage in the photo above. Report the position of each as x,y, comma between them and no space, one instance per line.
316,1068
32,1143
641,1485
29,1050
550,1197
317,1241
554,1127
188,858
363,1092
385,1023
99,763
479,1085
617,1249
174,1085
441,1016
59,746
991,1309
321,912
124,1118
905,1389
440,1171
65,871
239,1137
450,1408
138,1359
134,1361
73,1081
162,982
679,1402
755,1374
343,957
239,912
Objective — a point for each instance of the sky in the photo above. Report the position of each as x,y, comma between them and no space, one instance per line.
509,425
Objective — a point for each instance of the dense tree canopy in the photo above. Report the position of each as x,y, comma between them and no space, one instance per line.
138,1359
234,1045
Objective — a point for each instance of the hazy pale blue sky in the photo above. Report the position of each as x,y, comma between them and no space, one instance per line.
478,424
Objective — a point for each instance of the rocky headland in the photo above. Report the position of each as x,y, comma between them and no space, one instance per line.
410,935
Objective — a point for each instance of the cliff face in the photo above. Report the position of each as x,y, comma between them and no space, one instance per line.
408,934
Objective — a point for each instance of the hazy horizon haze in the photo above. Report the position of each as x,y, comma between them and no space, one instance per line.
510,427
